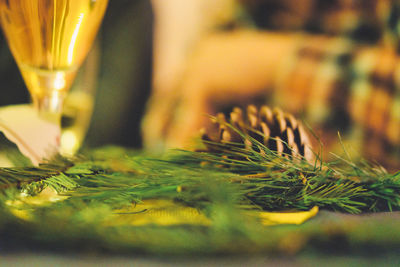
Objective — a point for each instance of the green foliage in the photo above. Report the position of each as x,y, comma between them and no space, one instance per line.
256,179
224,186
31,177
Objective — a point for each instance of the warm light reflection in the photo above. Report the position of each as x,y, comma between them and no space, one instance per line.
69,142
73,39
58,81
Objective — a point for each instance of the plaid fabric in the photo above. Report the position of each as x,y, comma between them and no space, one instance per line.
345,73
363,20
337,85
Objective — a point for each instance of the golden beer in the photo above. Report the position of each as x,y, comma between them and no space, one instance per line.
49,40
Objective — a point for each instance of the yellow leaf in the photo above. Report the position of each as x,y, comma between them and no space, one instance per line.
272,218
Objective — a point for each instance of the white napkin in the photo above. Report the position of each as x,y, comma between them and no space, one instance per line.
36,138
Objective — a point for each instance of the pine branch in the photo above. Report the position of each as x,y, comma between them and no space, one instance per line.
222,186
19,177
258,177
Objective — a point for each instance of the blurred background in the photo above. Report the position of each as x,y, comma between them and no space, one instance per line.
165,64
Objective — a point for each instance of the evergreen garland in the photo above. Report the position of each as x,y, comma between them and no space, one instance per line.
224,186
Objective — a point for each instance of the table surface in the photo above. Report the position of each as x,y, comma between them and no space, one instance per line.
28,256
47,259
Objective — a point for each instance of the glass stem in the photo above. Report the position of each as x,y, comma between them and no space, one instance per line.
50,105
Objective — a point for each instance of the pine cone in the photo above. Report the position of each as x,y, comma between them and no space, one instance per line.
277,130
